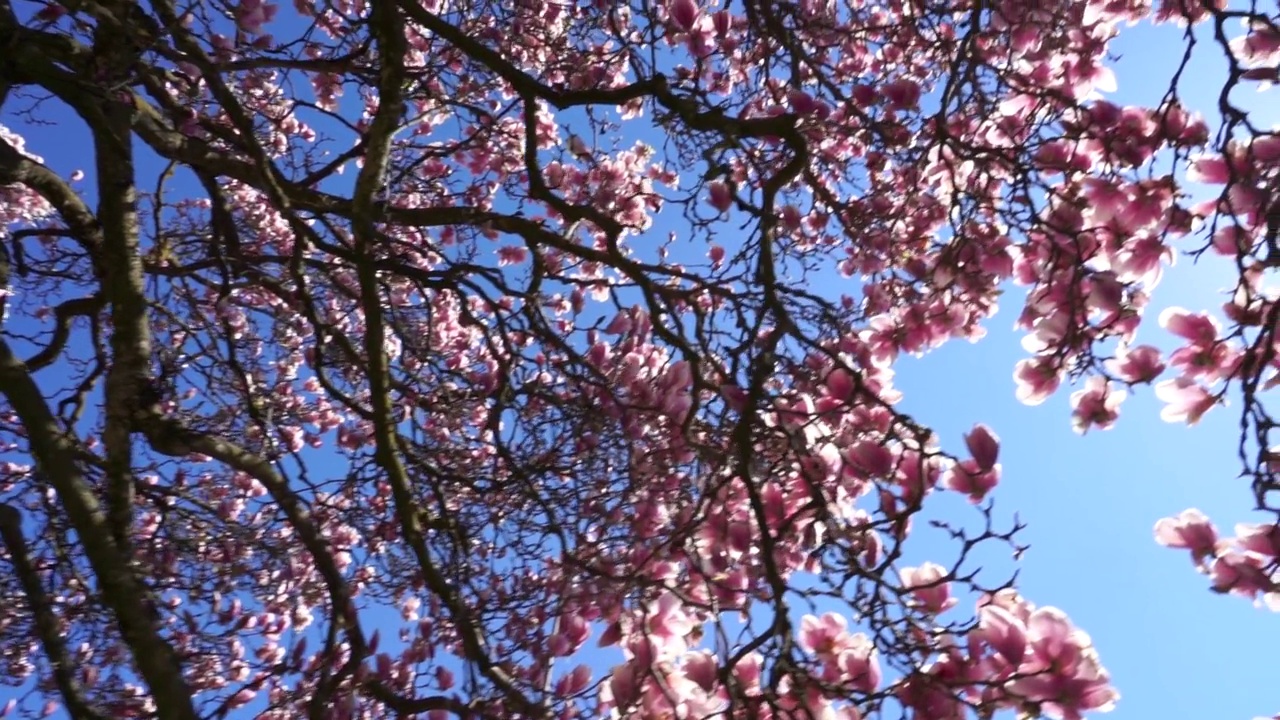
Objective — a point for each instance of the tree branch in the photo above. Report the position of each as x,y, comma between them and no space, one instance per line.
55,454
168,437
47,626
63,314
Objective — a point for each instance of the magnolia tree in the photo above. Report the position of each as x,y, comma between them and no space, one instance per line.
533,358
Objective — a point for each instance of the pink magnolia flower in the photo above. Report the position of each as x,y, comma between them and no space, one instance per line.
1197,328
623,688
869,459
929,693
722,21
749,670
1184,12
1068,695
620,325
966,477
929,589
1097,404
572,633
902,94
1062,155
702,668
1053,638
701,38
683,14
1004,633
1138,364
1209,170
1187,400
573,682
1261,538
859,663
612,635
1144,259
1061,672
716,254
822,636
1105,198
1209,362
1183,126
1037,379
884,337
1191,530
840,384
721,196
1105,293
984,446
802,103
668,624
665,692
1233,240
1259,46
251,15
512,255
1241,573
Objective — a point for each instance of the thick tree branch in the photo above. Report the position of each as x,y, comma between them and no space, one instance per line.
55,454
122,284
521,81
416,706
18,168
47,625
63,314
388,31
169,437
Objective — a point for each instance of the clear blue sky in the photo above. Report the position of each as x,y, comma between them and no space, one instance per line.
1174,649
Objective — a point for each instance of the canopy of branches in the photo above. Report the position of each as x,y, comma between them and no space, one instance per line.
534,358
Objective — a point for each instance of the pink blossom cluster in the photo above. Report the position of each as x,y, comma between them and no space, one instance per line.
1021,657
1247,564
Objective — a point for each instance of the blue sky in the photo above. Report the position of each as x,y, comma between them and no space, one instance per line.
1174,649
